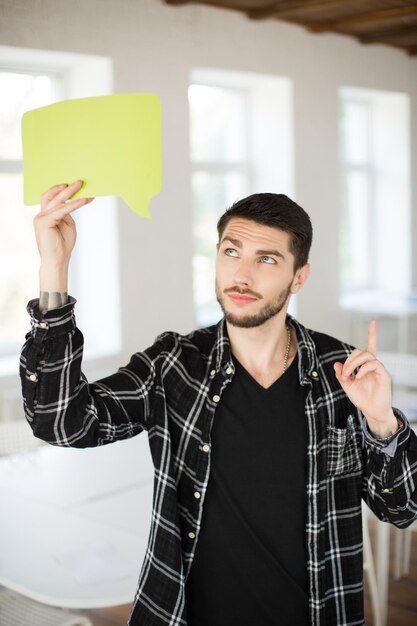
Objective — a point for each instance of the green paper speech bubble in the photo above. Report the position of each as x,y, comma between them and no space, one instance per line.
112,143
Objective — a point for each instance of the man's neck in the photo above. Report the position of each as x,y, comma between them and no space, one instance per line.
262,349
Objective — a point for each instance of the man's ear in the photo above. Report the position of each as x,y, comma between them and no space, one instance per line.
300,277
217,246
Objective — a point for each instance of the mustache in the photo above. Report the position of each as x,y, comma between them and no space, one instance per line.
243,292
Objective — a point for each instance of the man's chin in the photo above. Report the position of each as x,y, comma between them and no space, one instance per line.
244,321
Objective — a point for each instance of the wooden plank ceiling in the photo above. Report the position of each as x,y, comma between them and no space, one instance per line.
390,22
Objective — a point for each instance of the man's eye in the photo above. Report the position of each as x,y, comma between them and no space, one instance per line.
267,259
230,252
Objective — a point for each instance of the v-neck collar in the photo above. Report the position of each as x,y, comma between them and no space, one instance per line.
277,381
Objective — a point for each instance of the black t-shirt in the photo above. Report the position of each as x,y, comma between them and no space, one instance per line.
249,567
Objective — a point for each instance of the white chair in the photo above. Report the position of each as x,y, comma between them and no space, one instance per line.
17,610
369,568
403,371
402,550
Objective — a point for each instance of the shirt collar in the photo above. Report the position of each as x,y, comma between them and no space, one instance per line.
307,354
221,356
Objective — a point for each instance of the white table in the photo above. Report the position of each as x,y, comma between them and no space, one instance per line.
74,523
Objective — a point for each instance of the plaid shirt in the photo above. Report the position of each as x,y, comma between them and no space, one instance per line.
171,390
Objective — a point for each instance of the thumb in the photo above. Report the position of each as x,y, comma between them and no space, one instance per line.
338,371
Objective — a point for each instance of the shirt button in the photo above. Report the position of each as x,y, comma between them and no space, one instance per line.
212,373
216,398
43,325
197,494
191,535
33,377
206,447
229,370
314,374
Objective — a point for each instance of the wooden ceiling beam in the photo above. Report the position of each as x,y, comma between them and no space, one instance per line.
278,9
283,9
177,2
375,36
362,19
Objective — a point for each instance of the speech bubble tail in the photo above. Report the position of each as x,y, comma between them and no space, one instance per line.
141,207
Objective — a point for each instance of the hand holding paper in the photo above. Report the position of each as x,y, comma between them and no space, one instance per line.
54,227
112,143
56,233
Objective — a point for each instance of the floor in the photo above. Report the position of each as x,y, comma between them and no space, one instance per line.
402,609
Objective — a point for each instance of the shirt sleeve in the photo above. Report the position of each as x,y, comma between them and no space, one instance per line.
387,447
390,475
60,405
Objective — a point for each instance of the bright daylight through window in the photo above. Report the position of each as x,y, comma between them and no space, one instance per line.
241,143
20,91
375,198
30,79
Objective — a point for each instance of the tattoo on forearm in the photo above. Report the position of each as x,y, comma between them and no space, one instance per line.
51,300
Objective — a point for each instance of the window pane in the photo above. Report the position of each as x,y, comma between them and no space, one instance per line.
355,132
375,169
355,233
24,92
212,194
18,253
218,123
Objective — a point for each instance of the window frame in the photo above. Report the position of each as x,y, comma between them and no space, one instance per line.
79,76
375,168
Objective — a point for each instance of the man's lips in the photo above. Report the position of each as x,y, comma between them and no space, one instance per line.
241,298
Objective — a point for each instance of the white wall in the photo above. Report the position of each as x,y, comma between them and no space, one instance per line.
154,47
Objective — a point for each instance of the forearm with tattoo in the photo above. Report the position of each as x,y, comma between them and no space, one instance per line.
51,300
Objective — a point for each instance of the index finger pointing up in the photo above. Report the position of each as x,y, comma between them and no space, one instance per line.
371,341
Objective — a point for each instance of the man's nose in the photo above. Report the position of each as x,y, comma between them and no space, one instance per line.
243,273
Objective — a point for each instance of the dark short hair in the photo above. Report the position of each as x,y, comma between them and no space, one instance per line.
279,211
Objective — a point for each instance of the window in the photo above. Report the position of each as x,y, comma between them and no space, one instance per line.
31,79
375,182
22,90
240,143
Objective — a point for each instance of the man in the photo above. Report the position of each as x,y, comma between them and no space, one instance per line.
277,430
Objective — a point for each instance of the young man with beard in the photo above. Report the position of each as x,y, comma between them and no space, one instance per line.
264,435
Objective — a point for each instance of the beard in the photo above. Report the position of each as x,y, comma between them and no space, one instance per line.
269,310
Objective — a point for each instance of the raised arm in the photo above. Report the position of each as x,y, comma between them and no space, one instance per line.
55,233
390,445
60,405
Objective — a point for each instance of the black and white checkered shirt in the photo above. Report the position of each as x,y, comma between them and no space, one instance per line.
171,390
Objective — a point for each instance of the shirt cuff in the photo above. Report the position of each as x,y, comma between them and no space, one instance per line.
390,447
54,322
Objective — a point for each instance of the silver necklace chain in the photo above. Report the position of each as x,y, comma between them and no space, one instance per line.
287,351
